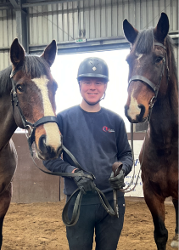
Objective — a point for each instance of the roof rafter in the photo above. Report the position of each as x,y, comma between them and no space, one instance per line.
15,4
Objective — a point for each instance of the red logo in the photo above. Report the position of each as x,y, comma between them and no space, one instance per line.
109,130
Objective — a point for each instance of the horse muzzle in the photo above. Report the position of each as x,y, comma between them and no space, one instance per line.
135,114
45,151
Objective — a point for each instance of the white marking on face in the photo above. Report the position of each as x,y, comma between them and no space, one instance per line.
53,138
133,110
139,56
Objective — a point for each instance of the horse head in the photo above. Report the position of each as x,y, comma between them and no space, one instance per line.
33,98
148,68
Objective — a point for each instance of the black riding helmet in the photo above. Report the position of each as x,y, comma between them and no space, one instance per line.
93,67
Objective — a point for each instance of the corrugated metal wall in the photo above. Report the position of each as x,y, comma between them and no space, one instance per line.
100,21
8,33
97,18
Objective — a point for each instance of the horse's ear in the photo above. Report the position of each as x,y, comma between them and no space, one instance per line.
162,28
50,53
17,53
129,31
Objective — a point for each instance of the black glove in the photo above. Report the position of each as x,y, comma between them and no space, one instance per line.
117,182
84,183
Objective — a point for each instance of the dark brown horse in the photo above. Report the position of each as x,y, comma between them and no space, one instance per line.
27,100
153,95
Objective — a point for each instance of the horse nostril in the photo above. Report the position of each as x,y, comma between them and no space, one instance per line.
126,110
42,144
142,111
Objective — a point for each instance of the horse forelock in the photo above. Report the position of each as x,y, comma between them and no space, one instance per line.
35,67
144,42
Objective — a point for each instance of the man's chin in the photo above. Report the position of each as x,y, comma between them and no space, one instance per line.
91,103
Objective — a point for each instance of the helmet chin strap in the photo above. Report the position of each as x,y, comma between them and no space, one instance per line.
94,103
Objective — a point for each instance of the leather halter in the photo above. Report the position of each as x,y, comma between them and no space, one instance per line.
27,124
141,78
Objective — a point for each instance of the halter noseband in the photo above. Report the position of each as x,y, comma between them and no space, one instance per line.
26,124
143,79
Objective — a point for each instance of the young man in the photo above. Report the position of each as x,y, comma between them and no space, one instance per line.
97,138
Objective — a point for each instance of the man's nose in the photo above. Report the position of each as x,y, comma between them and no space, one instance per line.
92,85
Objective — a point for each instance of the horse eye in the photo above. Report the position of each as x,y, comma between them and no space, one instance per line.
158,59
19,88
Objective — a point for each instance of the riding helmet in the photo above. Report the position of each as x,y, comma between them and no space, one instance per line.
93,67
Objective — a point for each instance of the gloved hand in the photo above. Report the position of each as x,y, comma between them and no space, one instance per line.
117,182
84,183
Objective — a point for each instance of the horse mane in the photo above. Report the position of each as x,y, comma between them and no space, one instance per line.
171,58
33,67
5,81
144,44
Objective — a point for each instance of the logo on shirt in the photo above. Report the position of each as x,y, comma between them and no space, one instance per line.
109,130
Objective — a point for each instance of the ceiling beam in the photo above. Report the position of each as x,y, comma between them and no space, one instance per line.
35,3
15,4
5,6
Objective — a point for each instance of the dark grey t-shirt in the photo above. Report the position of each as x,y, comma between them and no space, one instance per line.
97,140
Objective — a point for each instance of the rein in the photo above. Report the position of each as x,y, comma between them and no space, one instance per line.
79,192
151,105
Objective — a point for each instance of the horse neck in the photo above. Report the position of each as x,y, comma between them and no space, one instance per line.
7,123
164,117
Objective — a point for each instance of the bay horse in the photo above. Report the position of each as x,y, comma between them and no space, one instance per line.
27,100
153,96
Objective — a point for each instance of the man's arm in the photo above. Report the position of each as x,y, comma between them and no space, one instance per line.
124,150
59,165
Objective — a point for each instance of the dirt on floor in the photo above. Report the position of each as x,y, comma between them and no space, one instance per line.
39,226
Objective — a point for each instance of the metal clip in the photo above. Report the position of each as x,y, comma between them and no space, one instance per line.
29,130
152,101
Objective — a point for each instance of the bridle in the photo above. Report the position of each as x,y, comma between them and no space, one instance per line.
31,127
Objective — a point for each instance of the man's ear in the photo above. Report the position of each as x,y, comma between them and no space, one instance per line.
79,85
106,84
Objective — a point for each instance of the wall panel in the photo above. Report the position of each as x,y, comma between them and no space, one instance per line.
101,18
29,183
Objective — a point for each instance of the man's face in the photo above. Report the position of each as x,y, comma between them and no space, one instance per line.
92,89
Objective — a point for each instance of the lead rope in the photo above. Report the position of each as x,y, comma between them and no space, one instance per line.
78,192
127,190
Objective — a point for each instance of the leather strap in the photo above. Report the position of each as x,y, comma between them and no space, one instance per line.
143,79
77,204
